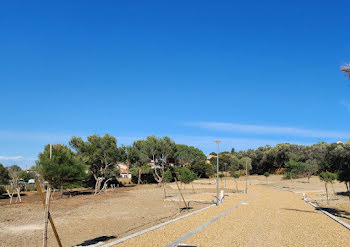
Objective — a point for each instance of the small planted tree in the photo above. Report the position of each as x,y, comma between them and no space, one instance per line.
311,167
63,169
327,177
185,175
294,169
266,174
344,177
235,177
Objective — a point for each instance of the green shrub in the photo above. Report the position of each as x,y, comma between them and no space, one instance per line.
266,174
168,176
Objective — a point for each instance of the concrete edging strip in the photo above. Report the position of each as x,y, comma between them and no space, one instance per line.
328,214
155,227
184,237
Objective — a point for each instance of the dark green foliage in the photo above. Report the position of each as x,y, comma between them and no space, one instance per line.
137,157
289,175
294,169
2,190
221,175
100,154
226,160
266,174
184,175
344,177
245,163
188,155
328,177
63,169
4,175
235,175
26,175
202,169
168,176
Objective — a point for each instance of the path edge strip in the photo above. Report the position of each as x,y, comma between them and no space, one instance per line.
328,214
155,227
189,234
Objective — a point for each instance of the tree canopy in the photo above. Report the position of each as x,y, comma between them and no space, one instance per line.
64,169
99,153
4,175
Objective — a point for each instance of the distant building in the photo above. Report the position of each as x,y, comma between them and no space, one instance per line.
124,170
210,156
338,142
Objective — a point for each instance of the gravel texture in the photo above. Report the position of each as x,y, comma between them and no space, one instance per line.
272,218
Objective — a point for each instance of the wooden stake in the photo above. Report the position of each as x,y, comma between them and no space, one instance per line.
183,198
50,218
46,216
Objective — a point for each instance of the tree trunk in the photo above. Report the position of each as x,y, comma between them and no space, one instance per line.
157,177
139,179
98,184
347,189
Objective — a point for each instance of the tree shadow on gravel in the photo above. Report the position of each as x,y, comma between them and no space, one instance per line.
298,210
95,241
337,212
344,193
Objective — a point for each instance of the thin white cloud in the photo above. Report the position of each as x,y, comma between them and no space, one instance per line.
207,144
15,158
263,129
37,136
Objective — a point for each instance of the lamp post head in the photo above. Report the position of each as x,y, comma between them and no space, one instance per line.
217,141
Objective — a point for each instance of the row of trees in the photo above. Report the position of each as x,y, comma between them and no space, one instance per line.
94,160
13,174
327,157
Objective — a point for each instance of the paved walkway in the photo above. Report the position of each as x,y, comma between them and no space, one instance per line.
267,218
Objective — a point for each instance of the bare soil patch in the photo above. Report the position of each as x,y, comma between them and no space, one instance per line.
86,216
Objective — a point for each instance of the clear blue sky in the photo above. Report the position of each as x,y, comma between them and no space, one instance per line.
247,72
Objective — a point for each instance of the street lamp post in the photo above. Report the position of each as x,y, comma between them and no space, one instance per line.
217,173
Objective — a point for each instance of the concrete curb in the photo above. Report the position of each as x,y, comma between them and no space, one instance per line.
189,234
328,214
154,227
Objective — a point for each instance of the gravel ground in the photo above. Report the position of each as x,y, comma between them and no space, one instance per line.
271,218
85,217
275,217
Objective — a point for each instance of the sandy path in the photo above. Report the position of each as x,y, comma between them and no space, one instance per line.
271,218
